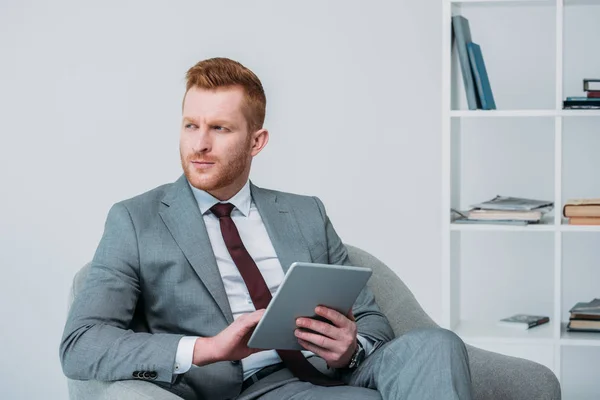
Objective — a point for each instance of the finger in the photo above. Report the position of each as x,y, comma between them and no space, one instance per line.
245,335
255,316
324,354
253,350
248,321
316,339
338,319
351,316
320,327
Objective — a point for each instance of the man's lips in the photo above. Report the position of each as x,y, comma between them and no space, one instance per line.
202,164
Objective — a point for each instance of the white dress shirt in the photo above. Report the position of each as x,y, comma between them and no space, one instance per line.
256,240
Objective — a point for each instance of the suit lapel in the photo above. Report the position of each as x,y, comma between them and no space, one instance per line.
282,227
182,217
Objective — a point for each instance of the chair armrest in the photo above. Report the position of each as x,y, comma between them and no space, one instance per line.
118,390
496,376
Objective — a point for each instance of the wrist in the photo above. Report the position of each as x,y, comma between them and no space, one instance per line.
357,356
205,352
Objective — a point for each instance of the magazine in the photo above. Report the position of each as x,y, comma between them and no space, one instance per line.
523,321
514,204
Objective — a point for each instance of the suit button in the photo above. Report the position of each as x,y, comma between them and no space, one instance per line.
235,362
153,375
146,374
135,374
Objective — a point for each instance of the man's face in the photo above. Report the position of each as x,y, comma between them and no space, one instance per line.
215,145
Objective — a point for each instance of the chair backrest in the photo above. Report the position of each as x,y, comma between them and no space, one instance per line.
78,280
394,299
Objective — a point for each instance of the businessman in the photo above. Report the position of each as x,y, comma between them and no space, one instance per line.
184,272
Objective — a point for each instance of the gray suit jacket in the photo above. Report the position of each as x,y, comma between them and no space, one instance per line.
154,279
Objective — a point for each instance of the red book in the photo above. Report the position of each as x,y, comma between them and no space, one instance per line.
593,95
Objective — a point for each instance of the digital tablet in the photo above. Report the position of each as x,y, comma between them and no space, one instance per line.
304,287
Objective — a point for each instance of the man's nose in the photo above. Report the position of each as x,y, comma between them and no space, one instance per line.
203,141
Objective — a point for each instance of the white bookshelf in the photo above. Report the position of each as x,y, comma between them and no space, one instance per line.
493,271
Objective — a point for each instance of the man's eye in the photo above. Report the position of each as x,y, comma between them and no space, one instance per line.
218,128
190,126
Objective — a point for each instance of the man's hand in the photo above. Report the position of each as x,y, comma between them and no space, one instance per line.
334,343
230,344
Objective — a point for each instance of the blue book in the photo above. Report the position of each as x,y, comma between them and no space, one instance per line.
462,36
481,77
582,98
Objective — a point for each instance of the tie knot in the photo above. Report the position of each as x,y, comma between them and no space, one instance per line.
222,209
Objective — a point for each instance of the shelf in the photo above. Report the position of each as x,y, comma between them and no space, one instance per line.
502,113
521,3
579,113
581,3
579,228
559,143
546,225
502,2
522,113
542,227
578,338
489,331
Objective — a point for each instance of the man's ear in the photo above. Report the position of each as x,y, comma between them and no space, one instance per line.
260,139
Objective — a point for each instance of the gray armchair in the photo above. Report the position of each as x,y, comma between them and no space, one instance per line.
494,376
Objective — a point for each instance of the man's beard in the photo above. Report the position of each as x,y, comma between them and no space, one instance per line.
220,175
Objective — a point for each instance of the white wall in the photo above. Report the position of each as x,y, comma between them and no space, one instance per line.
90,96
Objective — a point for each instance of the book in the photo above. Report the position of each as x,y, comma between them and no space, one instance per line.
492,221
531,215
587,317
582,107
587,99
583,325
586,308
581,104
590,85
486,97
584,221
462,36
582,208
513,203
523,321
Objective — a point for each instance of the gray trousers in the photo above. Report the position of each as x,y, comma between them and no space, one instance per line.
421,364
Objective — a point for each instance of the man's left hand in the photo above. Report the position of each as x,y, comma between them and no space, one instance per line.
334,342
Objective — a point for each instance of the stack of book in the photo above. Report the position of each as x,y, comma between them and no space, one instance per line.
582,211
474,73
591,98
585,317
505,210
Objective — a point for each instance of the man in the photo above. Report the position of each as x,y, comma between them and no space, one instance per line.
183,273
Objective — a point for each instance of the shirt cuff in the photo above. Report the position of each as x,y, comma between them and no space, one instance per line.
367,344
184,355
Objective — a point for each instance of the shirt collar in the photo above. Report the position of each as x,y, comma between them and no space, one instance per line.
241,200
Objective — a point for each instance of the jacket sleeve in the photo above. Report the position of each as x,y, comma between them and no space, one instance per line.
370,321
96,342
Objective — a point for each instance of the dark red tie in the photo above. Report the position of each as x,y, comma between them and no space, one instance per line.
261,296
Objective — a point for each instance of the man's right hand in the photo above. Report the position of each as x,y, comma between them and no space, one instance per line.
230,344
